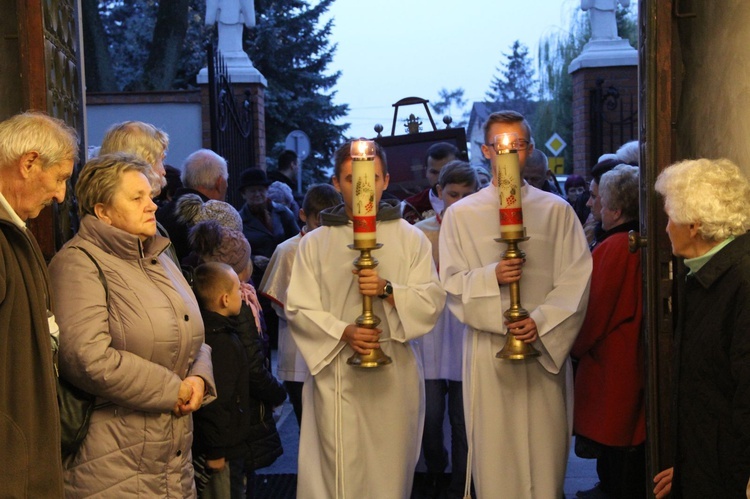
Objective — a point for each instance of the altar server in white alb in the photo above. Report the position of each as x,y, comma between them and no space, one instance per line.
361,428
518,413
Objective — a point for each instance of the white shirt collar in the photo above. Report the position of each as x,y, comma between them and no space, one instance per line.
13,215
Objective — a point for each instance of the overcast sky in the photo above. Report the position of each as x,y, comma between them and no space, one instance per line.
391,49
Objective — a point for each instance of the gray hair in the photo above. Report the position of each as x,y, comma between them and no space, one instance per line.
202,168
619,189
535,171
629,153
712,192
51,138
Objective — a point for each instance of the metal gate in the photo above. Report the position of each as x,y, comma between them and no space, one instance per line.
231,123
613,120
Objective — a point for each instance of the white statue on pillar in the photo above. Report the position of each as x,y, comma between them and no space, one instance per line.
602,17
606,48
230,15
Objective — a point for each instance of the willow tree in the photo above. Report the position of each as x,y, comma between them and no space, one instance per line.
554,112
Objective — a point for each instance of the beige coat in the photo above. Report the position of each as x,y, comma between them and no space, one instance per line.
132,350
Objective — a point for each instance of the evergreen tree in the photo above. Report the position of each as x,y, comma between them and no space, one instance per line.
289,48
452,103
515,85
160,45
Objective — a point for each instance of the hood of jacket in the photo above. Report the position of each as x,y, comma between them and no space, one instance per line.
388,209
119,243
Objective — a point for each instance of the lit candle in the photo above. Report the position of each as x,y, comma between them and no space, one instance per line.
508,175
364,208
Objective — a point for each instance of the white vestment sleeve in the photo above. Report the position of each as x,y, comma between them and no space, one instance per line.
559,318
420,300
316,331
473,293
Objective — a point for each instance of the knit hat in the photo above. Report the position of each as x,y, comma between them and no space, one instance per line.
281,193
215,243
191,210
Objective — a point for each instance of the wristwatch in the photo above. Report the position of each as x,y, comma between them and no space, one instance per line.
387,290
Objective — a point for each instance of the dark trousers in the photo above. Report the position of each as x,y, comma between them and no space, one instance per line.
622,471
435,454
241,481
294,390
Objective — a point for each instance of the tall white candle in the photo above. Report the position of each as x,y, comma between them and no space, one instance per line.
364,208
508,175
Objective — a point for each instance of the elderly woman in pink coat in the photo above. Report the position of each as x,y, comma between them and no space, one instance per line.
131,334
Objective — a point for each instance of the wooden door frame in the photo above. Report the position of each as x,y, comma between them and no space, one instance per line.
657,134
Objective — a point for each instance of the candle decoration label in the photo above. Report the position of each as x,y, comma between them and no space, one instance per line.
508,175
364,209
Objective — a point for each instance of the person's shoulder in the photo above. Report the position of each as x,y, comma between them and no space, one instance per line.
548,197
419,198
617,242
428,224
289,244
322,235
480,199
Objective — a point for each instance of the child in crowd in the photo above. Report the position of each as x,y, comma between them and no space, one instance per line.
441,351
361,427
237,431
291,366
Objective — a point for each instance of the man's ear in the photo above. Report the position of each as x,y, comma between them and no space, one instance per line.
302,215
336,183
486,152
386,180
224,299
26,163
439,190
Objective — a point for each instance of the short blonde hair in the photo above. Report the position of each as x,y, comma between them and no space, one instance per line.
52,138
138,138
100,178
712,192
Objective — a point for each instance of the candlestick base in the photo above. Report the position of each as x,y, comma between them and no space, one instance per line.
515,349
369,320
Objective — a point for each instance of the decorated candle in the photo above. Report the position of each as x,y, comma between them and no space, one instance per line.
364,208
508,175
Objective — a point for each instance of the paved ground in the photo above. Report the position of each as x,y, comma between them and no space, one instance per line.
581,473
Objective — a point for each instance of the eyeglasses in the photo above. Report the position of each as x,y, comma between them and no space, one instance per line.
518,145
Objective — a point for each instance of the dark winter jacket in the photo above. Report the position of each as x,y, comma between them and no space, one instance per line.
264,240
240,423
712,378
30,461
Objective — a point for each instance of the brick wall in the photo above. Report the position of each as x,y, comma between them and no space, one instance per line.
625,79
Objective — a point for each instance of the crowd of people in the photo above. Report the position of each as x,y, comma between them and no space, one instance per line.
152,310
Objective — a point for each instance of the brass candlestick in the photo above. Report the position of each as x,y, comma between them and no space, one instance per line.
515,349
376,357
